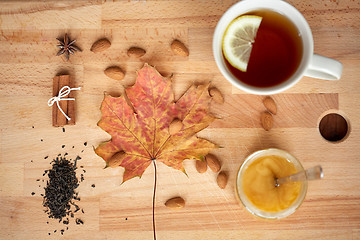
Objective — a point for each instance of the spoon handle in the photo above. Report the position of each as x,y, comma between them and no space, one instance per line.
310,174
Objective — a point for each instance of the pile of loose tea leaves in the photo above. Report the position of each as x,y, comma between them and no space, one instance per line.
60,197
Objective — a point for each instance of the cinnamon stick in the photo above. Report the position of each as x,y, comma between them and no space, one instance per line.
68,106
54,107
71,104
64,80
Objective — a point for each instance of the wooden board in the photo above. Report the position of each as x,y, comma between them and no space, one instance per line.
113,211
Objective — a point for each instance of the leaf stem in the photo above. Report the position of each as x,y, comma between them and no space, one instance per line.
153,207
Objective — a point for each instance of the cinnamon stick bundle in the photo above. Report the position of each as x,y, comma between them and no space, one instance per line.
68,106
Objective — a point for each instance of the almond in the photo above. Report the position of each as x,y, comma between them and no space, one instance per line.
213,162
100,45
216,95
136,52
175,203
114,73
116,159
266,120
270,105
201,166
175,126
179,48
222,180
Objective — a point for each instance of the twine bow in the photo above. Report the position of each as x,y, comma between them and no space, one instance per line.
62,93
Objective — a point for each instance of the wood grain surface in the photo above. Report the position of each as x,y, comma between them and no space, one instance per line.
28,32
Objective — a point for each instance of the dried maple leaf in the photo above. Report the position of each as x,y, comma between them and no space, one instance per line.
139,124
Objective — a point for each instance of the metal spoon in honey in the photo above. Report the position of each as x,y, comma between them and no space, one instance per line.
309,174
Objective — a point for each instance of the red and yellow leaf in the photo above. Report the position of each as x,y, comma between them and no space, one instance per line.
140,130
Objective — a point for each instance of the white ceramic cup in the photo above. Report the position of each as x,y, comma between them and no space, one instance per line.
311,65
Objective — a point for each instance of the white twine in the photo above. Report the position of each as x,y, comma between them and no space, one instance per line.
62,93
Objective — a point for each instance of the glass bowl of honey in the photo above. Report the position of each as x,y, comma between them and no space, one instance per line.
256,189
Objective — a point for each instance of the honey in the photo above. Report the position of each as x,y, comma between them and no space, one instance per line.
259,183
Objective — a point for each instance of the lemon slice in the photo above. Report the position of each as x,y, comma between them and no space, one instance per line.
238,40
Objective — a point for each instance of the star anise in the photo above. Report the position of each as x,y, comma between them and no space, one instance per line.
67,47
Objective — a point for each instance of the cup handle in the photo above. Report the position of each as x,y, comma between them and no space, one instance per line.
324,68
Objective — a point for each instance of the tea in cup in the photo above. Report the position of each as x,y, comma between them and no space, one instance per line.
266,46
